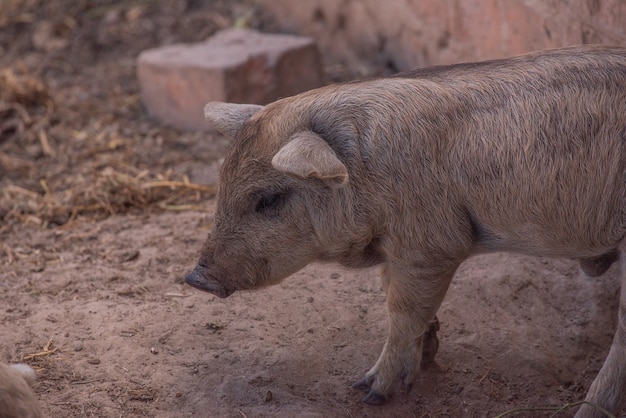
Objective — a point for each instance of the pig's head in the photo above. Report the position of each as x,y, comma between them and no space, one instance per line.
277,181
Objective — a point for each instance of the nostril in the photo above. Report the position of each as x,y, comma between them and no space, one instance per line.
200,278
191,279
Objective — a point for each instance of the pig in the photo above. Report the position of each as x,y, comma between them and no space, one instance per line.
17,398
417,172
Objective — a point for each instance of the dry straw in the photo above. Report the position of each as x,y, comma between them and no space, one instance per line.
99,189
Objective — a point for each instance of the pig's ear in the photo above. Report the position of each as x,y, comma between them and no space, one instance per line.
227,118
308,155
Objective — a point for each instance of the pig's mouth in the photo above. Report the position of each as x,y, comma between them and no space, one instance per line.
201,279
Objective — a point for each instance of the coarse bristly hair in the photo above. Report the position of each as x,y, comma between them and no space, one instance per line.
17,398
419,171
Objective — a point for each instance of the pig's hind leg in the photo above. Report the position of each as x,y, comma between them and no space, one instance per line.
413,298
608,389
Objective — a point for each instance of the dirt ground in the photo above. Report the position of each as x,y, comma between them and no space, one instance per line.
103,211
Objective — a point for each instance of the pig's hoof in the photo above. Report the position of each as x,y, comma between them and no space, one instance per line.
364,385
374,398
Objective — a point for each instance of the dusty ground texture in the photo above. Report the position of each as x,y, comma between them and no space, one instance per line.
103,211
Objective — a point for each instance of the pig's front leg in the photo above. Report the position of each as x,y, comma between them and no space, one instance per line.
413,297
430,344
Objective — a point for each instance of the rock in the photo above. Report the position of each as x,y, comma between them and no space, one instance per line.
241,66
403,35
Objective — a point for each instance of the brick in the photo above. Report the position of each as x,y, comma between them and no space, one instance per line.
240,66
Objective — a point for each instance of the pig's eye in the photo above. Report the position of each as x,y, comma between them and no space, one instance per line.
269,202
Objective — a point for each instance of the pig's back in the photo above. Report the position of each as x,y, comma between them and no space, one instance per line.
532,148
539,152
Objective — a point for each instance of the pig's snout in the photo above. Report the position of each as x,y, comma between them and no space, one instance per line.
201,278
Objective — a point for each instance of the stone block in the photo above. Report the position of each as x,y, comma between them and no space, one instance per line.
240,66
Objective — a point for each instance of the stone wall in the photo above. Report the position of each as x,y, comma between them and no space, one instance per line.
406,34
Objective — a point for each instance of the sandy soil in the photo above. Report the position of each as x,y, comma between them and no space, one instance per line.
92,265
129,338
